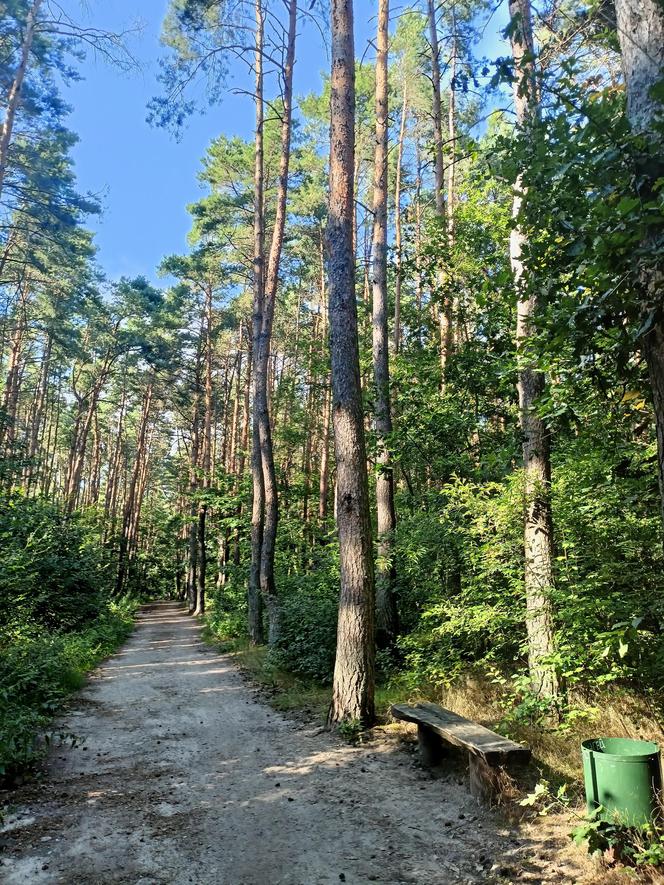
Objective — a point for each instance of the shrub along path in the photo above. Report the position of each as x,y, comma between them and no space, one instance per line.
183,776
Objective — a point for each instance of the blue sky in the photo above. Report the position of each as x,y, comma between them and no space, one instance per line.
146,178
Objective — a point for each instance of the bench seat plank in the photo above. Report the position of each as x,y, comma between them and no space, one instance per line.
455,729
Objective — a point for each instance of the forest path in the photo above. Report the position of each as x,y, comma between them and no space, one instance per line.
184,776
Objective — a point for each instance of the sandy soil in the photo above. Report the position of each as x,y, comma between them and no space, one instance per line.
185,776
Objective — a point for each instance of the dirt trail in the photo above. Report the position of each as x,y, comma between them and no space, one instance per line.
184,776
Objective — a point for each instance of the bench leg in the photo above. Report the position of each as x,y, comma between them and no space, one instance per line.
430,746
484,779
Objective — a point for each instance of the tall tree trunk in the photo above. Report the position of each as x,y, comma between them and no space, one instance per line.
14,96
451,137
263,344
324,478
538,522
12,390
194,482
255,600
244,440
444,306
386,610
398,268
130,505
37,415
641,35
206,461
353,685
114,468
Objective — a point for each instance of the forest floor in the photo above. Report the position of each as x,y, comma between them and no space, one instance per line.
182,774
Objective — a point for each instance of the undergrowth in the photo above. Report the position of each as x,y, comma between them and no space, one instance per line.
38,670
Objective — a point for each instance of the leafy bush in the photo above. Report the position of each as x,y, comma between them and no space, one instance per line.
56,621
52,570
226,615
36,673
309,605
307,643
460,569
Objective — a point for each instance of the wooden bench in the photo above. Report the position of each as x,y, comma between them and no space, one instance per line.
489,754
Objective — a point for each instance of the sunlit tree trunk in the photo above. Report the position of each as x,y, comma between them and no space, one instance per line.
538,522
36,418
444,309
353,685
129,531
386,610
398,268
255,604
206,460
263,344
194,482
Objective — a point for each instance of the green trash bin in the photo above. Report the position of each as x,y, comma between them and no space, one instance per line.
624,777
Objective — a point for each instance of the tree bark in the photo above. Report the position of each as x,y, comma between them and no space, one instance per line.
129,516
254,598
398,269
353,685
444,305
13,383
386,610
641,35
206,461
263,344
538,522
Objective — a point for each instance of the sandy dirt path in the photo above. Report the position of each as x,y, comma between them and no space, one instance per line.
185,776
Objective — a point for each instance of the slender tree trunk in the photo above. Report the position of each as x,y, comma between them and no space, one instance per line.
244,440
113,481
130,500
641,35
207,454
538,523
353,685
418,239
398,269
444,306
79,445
37,416
14,97
14,373
386,610
194,484
324,478
255,613
451,174
263,344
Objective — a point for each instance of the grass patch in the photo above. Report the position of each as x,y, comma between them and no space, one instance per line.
37,672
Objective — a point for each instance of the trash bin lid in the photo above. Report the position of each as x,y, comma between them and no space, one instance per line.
625,749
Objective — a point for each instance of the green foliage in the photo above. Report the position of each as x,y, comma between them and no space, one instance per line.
639,846
52,572
636,846
227,607
309,604
38,671
307,643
